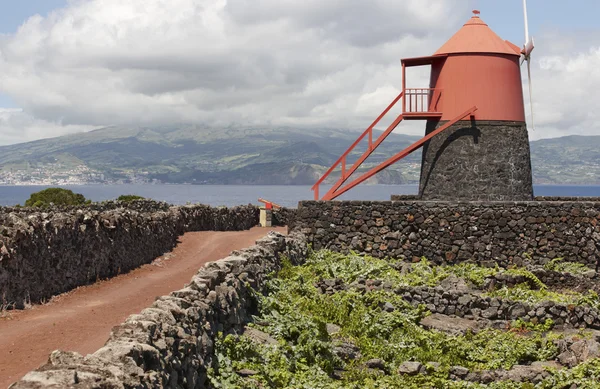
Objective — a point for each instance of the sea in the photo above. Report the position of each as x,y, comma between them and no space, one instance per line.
230,195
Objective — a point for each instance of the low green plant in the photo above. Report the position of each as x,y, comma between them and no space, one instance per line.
524,293
523,325
585,375
55,196
531,278
473,273
422,273
128,198
591,298
349,268
562,266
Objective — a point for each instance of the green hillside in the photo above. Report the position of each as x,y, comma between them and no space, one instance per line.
203,155
566,160
280,155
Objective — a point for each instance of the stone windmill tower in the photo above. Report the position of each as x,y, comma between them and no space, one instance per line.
476,145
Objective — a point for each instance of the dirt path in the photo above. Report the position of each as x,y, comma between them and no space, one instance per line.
81,320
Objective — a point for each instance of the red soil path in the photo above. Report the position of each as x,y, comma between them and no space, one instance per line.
81,320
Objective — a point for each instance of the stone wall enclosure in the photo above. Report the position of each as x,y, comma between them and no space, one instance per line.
48,252
446,232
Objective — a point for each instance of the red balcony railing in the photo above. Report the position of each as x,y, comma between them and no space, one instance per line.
421,100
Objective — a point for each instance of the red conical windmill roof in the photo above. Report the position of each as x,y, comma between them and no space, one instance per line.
476,37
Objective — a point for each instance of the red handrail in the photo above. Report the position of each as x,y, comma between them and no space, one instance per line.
366,154
419,101
342,159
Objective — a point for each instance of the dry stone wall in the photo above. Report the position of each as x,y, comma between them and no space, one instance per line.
47,252
171,344
536,198
473,306
283,216
468,303
145,205
449,232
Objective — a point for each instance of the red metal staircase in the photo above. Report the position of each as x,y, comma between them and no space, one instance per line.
417,104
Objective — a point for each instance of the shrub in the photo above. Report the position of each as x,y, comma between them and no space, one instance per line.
55,196
128,198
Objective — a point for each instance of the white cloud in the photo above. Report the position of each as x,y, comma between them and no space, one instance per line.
566,92
102,62
16,126
249,62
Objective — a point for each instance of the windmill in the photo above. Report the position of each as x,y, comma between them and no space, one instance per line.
527,49
476,144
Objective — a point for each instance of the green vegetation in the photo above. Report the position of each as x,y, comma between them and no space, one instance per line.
255,155
297,314
192,154
349,268
55,196
559,265
566,160
524,293
128,198
535,291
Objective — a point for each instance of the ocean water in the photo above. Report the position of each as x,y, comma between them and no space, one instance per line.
230,195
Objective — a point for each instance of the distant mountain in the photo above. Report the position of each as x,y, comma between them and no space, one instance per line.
194,154
567,160
202,155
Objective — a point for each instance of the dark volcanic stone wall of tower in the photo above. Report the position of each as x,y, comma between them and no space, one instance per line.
477,161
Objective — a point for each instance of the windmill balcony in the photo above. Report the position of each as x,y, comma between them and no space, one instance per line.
421,103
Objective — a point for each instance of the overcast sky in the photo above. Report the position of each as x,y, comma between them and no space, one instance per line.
68,66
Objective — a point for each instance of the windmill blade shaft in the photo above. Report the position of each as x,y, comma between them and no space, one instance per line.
530,92
527,49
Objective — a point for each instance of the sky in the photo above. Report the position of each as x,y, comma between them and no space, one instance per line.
74,65
13,14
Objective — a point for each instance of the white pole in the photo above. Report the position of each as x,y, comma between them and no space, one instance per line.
530,93
526,22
